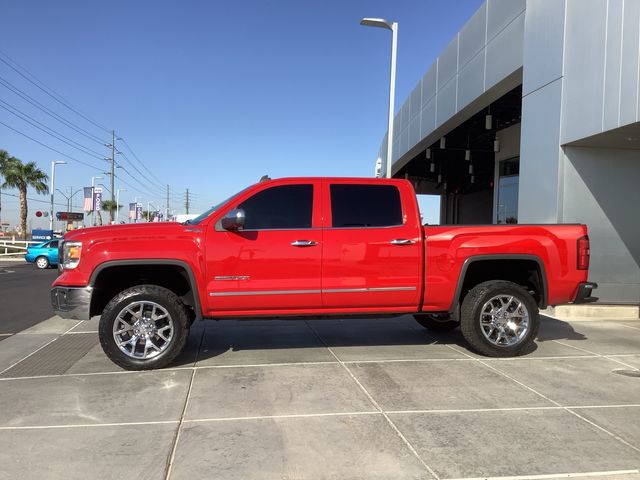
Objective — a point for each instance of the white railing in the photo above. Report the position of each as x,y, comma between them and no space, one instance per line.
15,247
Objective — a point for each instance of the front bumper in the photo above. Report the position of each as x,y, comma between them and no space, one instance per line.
71,302
584,293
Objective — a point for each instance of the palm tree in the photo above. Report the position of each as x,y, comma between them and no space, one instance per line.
22,176
4,156
110,206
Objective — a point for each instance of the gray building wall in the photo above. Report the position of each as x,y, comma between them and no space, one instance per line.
601,189
578,63
580,80
480,64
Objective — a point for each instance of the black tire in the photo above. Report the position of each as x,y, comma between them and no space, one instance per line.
166,299
437,322
42,262
471,313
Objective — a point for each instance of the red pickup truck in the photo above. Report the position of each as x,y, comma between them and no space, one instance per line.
310,247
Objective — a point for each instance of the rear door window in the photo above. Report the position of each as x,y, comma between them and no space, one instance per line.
365,206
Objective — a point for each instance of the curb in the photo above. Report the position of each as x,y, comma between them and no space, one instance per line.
594,312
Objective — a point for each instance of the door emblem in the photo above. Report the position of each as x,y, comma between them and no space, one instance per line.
231,277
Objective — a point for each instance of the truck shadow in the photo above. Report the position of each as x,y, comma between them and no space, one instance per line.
247,342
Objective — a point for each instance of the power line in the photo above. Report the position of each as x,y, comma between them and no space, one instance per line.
49,91
57,135
138,189
144,188
33,199
52,149
140,161
138,170
68,123
8,85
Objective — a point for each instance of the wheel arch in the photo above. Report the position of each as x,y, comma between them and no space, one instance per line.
467,274
141,266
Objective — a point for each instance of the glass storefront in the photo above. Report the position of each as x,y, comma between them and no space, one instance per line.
507,199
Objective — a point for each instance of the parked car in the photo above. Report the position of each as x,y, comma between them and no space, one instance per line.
44,254
302,247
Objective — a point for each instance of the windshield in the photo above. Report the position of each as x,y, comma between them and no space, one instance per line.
202,216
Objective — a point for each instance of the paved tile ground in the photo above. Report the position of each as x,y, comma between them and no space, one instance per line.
325,399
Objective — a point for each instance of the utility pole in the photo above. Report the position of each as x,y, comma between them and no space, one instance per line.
166,211
113,169
52,187
186,202
118,204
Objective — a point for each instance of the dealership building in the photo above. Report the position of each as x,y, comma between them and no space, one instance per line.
531,115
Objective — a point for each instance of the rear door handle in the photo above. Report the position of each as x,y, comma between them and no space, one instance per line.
304,243
402,241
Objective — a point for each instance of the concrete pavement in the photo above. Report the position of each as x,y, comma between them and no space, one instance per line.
24,296
334,399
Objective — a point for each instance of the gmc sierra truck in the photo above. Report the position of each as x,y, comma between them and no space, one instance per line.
316,247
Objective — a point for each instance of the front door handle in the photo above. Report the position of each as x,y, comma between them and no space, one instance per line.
304,243
402,241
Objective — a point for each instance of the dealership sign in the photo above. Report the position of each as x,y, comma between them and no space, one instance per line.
70,216
41,235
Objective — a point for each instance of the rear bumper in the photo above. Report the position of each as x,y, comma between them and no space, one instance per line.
71,302
584,293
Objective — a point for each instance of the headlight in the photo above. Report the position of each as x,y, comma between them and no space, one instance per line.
71,252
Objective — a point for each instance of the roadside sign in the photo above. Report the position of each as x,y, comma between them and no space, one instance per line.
70,216
41,235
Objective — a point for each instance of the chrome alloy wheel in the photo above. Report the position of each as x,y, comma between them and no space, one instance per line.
143,330
504,320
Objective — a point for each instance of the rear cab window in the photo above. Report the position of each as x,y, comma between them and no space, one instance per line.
358,206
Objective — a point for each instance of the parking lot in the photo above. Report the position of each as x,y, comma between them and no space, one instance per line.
334,399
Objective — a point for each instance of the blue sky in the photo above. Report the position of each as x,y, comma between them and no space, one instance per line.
211,95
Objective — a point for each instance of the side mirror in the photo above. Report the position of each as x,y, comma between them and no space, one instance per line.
234,220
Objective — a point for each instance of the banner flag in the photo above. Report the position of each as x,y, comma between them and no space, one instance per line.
132,211
97,199
87,206
139,211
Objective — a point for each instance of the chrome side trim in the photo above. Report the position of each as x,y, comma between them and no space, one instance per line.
231,277
264,292
376,289
302,292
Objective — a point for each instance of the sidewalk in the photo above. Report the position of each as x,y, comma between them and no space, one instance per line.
372,399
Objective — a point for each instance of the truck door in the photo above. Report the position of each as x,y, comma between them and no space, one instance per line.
273,264
372,251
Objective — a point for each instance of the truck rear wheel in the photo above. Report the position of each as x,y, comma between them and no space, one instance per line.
499,319
144,327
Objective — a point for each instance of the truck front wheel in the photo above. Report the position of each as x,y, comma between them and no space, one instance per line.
144,327
499,319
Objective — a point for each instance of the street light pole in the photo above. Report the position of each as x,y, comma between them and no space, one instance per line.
135,216
149,203
93,198
69,197
52,187
118,204
393,26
